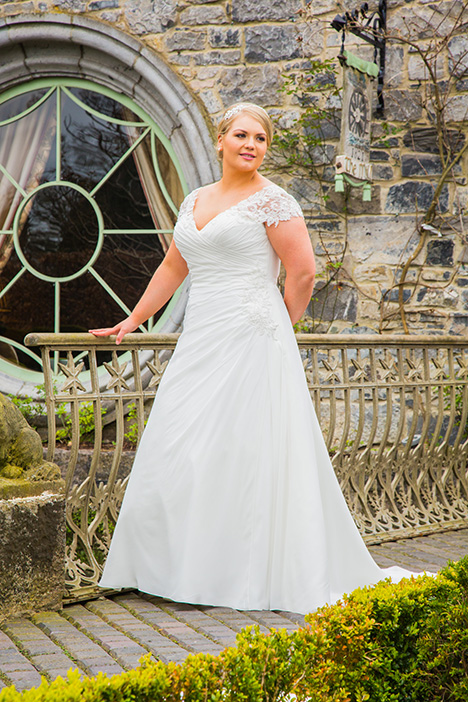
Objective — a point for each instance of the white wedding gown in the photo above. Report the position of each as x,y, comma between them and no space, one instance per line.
232,500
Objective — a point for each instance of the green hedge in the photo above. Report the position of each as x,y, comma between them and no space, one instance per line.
390,643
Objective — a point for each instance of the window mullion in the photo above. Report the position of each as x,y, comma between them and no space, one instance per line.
125,155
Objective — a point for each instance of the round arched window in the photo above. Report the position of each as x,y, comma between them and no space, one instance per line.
89,194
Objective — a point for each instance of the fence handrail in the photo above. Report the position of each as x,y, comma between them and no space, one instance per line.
148,340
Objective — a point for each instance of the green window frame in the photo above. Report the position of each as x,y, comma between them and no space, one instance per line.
57,88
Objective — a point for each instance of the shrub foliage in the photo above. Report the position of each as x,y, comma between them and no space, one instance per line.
389,643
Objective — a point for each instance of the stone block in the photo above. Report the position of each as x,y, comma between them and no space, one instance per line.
207,73
111,16
333,302
371,272
457,108
221,58
212,102
394,66
224,38
378,155
150,16
329,248
424,139
328,128
102,5
417,69
460,323
393,295
32,554
203,15
435,297
321,7
179,59
284,118
440,252
13,8
265,43
403,105
306,191
261,10
382,172
386,142
254,84
414,165
379,241
186,40
324,225
76,6
413,196
458,56
311,34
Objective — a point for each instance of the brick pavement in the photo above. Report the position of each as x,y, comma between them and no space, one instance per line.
111,634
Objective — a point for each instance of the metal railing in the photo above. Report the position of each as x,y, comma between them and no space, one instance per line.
393,410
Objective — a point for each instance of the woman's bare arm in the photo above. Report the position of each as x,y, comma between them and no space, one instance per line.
165,281
292,243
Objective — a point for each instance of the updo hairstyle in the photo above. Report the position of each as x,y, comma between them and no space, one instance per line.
248,108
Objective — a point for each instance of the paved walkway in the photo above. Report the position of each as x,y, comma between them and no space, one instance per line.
111,634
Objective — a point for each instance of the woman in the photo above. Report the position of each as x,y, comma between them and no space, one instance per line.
232,500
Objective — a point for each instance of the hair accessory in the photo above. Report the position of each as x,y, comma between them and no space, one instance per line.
233,111
238,108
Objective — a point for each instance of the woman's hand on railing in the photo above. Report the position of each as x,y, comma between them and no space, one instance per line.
125,327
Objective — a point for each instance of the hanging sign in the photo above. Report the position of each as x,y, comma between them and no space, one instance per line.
354,157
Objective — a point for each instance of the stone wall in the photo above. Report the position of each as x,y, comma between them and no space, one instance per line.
226,50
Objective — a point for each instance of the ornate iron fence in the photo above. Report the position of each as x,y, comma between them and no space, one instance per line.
393,409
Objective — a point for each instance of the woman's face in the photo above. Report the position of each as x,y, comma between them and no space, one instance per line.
245,143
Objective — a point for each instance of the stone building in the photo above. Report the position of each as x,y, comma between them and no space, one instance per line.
107,117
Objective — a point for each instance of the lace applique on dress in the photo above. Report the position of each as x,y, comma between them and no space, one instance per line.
270,205
187,204
257,303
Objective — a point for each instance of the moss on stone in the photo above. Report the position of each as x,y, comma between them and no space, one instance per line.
21,448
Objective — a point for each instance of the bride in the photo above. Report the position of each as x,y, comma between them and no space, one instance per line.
232,499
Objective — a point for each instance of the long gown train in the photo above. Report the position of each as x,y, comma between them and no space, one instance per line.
232,499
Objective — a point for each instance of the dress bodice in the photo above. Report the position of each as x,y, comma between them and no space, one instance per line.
234,244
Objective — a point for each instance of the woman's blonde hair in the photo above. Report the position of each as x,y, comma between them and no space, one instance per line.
248,108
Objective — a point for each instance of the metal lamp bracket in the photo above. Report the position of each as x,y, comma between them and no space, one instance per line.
371,28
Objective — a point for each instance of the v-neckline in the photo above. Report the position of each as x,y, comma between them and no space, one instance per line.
236,204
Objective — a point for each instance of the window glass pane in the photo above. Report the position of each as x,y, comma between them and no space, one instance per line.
60,234
18,104
105,105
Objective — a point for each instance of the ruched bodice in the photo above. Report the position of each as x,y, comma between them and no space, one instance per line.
234,243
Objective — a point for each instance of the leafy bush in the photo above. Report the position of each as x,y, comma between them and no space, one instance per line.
390,643
133,434
31,408
86,421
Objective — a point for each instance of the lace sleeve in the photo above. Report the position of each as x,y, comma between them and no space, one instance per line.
278,206
186,204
